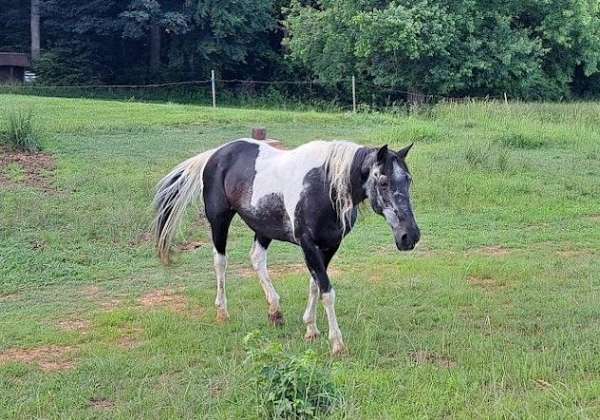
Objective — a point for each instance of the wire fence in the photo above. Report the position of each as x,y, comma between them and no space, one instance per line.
343,94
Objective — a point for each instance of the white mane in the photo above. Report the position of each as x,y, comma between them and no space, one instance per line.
338,164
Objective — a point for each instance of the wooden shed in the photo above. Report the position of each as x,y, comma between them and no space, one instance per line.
12,67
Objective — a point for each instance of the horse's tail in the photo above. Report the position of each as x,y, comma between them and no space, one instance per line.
174,192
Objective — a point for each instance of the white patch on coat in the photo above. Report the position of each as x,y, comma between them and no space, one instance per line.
282,172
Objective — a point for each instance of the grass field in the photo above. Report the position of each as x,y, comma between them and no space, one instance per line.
495,314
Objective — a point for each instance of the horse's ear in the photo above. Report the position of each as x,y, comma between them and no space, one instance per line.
403,152
381,153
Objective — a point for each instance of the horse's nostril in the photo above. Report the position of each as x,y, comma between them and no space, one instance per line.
404,239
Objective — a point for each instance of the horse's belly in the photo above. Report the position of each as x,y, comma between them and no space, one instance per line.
269,218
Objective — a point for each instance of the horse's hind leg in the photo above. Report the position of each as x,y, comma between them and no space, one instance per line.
258,256
219,223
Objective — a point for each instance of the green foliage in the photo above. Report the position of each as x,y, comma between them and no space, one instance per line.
289,385
20,131
529,49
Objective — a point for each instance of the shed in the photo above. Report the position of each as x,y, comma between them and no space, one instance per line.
12,67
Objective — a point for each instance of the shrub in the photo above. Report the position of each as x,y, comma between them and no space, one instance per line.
20,132
288,385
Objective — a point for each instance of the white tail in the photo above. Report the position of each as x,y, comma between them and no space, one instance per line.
174,192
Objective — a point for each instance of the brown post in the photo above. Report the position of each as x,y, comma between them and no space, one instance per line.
259,133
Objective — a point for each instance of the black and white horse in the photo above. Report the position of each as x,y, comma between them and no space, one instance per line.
307,196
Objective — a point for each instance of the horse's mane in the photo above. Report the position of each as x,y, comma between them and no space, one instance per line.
338,165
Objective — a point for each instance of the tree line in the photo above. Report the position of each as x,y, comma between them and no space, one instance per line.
528,48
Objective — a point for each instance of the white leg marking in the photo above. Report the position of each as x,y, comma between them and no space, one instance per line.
310,314
258,256
335,335
220,262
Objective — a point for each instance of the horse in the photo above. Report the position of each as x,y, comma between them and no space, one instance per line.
308,196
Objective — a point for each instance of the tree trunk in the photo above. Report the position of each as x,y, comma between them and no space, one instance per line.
154,48
35,29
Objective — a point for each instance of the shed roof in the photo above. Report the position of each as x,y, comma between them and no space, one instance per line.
14,59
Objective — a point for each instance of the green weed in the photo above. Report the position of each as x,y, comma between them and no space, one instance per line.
289,385
520,141
20,131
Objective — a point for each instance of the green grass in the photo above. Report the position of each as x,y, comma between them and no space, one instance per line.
500,299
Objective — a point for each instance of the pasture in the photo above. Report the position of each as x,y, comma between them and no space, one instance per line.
495,314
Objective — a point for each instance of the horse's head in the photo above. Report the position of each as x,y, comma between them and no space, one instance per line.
388,189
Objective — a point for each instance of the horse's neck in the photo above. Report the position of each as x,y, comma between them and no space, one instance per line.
357,178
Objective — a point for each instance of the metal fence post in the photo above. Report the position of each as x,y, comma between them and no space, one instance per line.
214,89
353,94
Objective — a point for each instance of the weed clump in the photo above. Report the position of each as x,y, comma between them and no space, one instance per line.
487,157
520,141
20,132
289,385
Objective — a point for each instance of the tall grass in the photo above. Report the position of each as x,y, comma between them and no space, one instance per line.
20,132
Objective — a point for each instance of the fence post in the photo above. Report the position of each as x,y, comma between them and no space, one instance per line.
214,90
353,94
505,98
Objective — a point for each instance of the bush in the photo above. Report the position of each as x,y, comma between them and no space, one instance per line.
20,132
288,385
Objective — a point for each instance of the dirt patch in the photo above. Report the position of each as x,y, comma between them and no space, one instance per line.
280,270
593,218
542,384
102,404
36,170
191,245
574,253
98,295
81,326
170,299
484,282
48,358
9,297
217,388
164,298
494,251
39,245
130,338
422,357
142,238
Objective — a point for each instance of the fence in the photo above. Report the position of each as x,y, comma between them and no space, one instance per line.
343,94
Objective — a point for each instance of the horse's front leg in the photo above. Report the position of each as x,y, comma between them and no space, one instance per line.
317,261
310,314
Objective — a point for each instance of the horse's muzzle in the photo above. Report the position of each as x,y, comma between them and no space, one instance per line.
408,240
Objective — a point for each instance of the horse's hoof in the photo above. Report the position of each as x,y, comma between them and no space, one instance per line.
311,336
222,316
338,349
276,318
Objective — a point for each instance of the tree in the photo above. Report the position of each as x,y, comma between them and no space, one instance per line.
527,48
35,30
